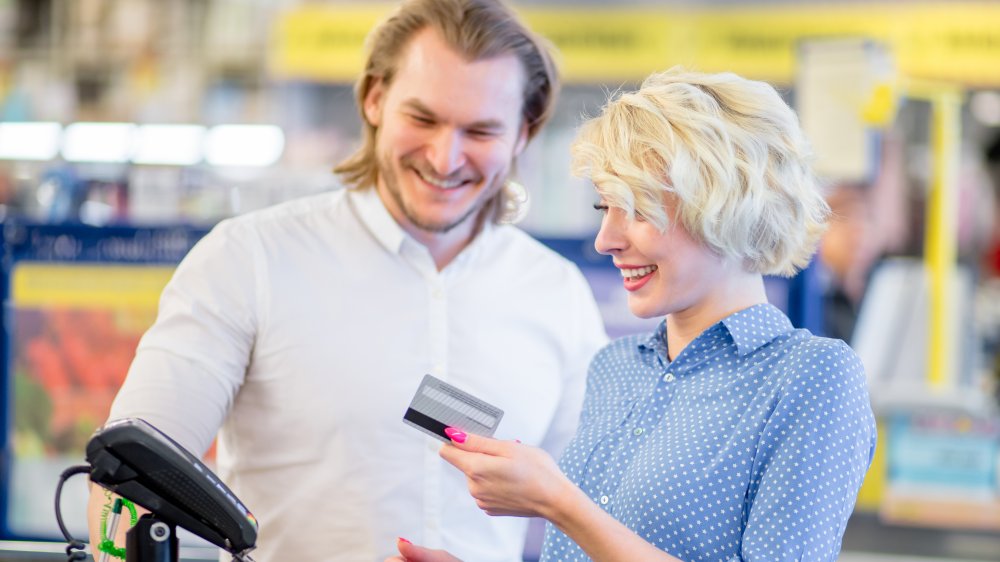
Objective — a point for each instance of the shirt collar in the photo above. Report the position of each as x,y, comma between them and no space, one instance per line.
475,247
754,327
376,218
750,329
657,341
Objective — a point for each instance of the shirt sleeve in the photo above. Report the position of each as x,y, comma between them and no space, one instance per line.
587,335
812,456
191,362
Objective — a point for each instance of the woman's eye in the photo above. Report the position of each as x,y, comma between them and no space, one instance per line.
601,207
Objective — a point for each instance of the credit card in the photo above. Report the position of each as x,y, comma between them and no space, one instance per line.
438,405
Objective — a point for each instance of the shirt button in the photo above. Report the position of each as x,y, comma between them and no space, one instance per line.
637,431
438,294
604,500
669,377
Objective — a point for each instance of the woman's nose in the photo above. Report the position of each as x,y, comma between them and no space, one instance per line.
611,237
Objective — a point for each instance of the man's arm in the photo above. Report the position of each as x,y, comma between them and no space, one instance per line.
99,505
191,363
588,338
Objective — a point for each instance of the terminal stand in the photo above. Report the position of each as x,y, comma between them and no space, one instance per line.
151,540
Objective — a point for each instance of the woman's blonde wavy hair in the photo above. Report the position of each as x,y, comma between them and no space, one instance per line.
730,154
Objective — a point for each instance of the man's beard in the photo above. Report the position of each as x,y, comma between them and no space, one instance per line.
388,174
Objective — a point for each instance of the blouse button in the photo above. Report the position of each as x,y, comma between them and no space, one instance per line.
637,431
604,500
669,377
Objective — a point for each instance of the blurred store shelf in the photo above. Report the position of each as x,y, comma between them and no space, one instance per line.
868,539
25,551
869,557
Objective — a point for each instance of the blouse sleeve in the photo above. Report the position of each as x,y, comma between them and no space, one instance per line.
812,456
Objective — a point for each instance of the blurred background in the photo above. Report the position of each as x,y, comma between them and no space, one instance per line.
129,127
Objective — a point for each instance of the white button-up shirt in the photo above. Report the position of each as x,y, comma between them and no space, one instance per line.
303,332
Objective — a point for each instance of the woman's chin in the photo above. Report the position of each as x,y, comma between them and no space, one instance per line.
640,310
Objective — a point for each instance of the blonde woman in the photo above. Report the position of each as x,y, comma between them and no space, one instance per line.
726,434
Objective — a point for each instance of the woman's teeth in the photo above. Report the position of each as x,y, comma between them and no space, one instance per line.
637,273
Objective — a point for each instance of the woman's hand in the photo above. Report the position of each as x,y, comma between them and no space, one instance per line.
506,477
409,552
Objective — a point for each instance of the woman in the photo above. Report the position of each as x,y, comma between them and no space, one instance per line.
726,434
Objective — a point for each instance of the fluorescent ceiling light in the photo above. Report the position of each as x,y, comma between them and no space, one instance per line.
173,145
244,145
98,142
29,141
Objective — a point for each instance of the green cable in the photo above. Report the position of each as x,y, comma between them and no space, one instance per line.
107,544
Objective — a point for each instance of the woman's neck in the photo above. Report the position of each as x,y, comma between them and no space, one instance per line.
738,293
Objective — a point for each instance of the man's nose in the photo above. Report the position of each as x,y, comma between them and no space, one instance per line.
446,151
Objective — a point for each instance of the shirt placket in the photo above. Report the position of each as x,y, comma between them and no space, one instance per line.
636,429
437,330
437,357
655,413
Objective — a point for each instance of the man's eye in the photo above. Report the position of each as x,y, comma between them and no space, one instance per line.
421,120
481,133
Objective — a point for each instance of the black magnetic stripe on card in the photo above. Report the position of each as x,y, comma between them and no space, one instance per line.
426,422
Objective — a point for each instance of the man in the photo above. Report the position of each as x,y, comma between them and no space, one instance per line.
847,252
303,330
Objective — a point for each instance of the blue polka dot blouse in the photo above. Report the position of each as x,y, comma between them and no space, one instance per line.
751,445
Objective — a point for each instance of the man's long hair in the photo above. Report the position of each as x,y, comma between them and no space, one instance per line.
476,29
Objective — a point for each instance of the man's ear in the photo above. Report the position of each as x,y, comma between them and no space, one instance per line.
522,140
373,102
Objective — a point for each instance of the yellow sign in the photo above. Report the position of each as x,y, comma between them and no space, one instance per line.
953,43
87,286
957,42
608,44
323,42
762,43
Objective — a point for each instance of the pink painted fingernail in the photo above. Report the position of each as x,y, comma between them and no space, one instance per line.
456,435
517,440
401,539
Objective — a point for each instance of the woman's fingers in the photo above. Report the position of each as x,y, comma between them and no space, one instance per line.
468,452
477,443
415,553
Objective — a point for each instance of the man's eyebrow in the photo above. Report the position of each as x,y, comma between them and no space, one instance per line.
487,124
419,107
